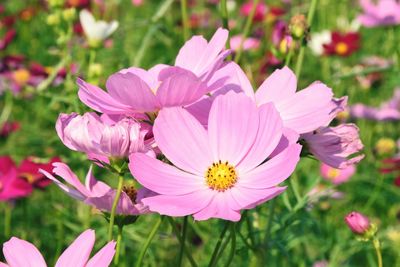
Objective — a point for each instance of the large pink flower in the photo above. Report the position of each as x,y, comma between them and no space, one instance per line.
97,193
219,171
384,12
134,90
302,111
20,253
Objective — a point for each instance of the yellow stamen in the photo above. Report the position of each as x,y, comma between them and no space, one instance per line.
221,176
131,192
333,173
341,48
21,76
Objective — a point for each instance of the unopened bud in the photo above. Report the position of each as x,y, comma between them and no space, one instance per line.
298,26
360,225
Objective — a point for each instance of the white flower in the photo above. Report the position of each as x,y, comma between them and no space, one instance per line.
96,31
316,44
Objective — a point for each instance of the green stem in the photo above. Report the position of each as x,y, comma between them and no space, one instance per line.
49,80
289,56
233,246
184,232
178,236
119,241
148,241
246,30
225,19
215,254
185,21
300,59
377,246
114,207
7,220
7,108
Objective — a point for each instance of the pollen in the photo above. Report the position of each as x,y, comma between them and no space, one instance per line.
221,176
341,48
333,173
131,192
21,76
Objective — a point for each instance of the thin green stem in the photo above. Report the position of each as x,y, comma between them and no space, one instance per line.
377,246
300,58
49,80
246,30
148,241
119,241
114,207
185,21
215,254
7,108
178,236
225,18
233,245
7,220
184,232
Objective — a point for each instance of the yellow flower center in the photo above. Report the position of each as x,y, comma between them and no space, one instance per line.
131,192
343,115
21,76
385,146
341,48
28,177
333,173
221,176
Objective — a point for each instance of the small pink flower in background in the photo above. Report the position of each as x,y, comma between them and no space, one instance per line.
97,193
388,111
137,2
322,263
343,44
78,3
101,137
357,222
335,146
9,127
221,169
372,79
259,15
11,185
7,39
249,43
337,176
380,13
20,253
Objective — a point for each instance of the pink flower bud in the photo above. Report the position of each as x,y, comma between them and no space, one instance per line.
357,222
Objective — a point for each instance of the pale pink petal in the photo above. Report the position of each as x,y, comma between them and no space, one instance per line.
270,193
245,197
218,208
201,110
183,140
268,136
3,264
280,85
288,138
308,109
20,253
105,202
163,178
181,205
62,170
77,254
149,77
274,171
180,89
132,91
104,257
190,52
99,100
232,127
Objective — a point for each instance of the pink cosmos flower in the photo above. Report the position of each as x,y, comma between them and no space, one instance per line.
357,222
101,137
335,146
249,43
219,171
383,13
260,12
97,193
337,176
388,111
20,253
302,111
11,185
134,90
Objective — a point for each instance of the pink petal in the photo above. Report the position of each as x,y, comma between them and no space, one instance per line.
20,253
180,89
181,205
62,170
268,136
99,100
274,171
280,85
232,127
288,138
77,254
104,257
249,197
218,208
105,202
130,90
163,178
149,77
183,140
3,264
270,193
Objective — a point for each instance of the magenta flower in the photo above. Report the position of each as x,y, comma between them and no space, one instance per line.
250,43
219,171
134,90
260,12
21,253
388,111
357,222
337,176
383,13
11,185
101,136
97,193
335,146
302,111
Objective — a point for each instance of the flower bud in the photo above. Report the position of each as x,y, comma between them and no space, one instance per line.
298,26
358,223
69,14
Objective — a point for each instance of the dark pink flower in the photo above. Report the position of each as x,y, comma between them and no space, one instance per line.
357,222
261,10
